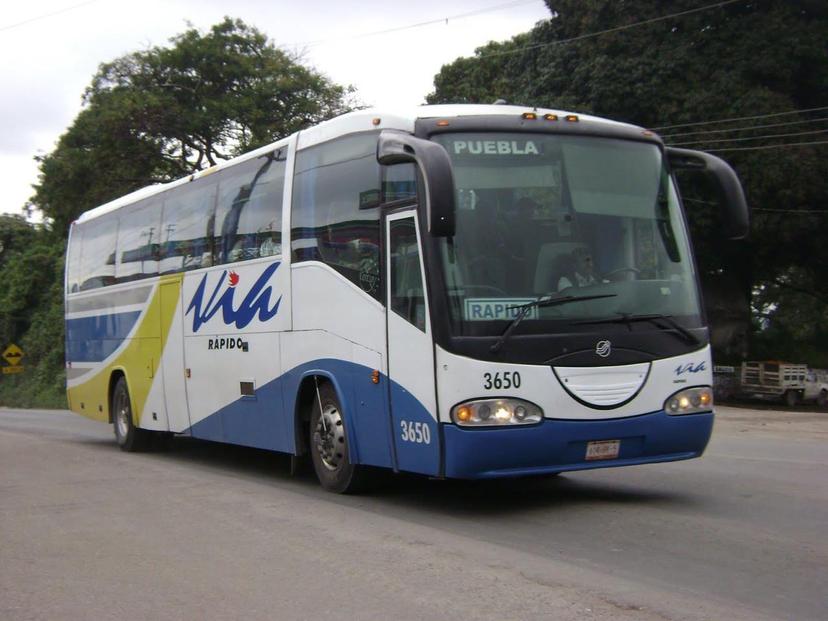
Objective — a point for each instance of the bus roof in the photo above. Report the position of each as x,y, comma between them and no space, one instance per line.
352,122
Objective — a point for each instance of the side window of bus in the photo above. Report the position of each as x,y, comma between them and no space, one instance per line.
335,216
399,183
97,260
73,260
186,243
139,234
407,299
248,221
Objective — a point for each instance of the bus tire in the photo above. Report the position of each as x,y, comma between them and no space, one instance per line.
329,445
129,437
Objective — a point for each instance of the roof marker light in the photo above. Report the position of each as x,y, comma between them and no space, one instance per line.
442,123
529,116
376,121
550,117
572,118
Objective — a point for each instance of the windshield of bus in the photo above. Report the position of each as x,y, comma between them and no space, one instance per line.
542,215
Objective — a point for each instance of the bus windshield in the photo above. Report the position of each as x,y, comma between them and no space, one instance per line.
542,215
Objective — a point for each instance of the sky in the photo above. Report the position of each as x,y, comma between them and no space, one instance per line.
50,49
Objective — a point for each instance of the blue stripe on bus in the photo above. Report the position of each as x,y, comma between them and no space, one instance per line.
267,420
560,445
93,339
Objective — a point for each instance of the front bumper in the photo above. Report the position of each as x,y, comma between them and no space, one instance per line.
560,445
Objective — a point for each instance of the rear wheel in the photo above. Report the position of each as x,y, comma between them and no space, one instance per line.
329,445
129,437
791,398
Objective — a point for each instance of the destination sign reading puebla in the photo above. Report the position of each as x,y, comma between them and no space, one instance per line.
495,147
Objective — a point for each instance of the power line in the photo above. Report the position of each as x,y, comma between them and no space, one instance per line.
745,128
769,146
608,30
442,20
45,15
799,212
767,136
742,118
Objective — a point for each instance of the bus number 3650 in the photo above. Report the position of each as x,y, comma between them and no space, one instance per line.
415,432
498,381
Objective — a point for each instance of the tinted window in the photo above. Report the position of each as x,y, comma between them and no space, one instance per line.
399,183
407,299
97,260
73,260
185,243
139,232
332,182
249,211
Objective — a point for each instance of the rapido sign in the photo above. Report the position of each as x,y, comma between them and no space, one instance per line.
495,147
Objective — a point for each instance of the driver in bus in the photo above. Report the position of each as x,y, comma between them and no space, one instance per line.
580,271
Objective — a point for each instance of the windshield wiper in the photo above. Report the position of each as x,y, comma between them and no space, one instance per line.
541,303
656,320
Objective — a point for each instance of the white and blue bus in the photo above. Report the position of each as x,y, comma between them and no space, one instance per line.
463,291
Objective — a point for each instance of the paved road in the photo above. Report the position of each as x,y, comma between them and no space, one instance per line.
204,531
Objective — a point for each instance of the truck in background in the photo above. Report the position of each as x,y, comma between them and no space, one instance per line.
790,383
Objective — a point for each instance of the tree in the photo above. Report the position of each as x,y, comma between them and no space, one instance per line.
160,114
31,311
742,59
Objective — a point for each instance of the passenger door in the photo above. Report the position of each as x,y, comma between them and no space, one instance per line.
412,393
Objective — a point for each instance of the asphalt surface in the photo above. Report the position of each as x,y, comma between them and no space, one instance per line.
204,531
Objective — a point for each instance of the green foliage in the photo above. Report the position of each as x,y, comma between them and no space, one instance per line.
744,59
161,114
31,312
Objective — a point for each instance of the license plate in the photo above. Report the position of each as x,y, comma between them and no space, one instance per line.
603,449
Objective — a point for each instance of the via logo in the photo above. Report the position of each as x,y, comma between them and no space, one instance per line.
603,349
255,302
691,367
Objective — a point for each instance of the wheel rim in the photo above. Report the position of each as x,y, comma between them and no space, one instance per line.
122,416
329,437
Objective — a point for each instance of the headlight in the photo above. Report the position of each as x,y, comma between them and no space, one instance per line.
490,412
690,401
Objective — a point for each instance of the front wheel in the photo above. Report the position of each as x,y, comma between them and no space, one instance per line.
329,445
129,437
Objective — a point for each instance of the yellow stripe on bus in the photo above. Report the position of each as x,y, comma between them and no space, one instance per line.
139,360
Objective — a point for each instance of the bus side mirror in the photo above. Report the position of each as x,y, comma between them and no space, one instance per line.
435,167
726,182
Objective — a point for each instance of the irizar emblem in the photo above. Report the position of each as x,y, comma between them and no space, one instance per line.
603,348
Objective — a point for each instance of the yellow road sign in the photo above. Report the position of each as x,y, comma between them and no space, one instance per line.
13,354
12,370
